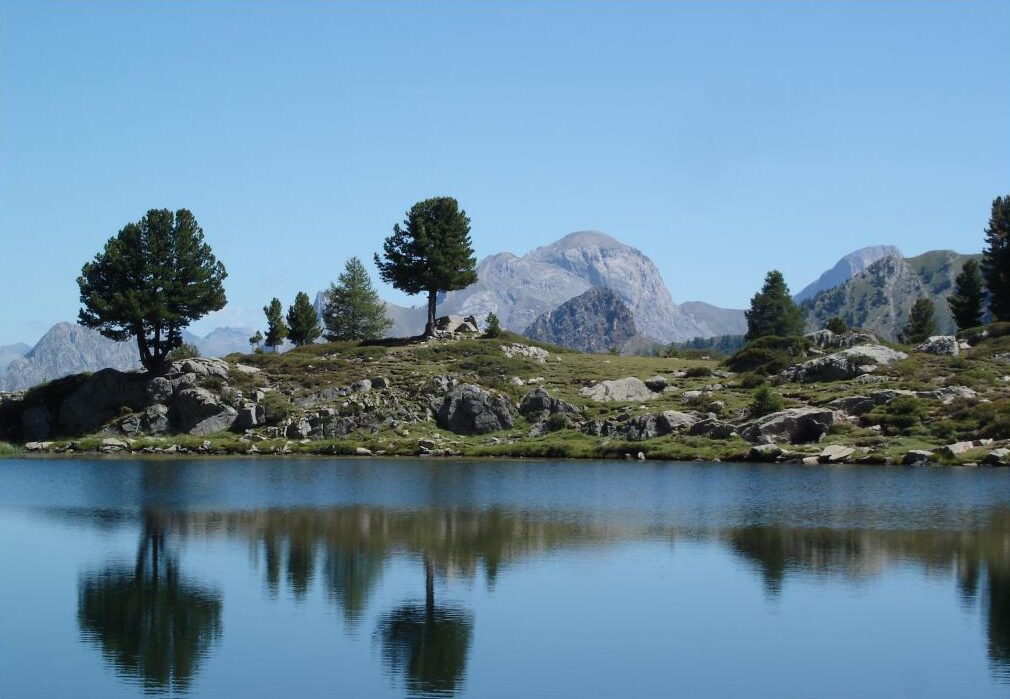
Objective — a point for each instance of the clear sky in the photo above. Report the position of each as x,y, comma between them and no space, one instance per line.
721,139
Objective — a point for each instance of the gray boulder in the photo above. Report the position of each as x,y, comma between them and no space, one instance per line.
793,425
836,454
627,389
917,456
202,366
36,423
945,345
250,415
997,457
469,409
846,364
200,412
101,398
825,339
539,405
712,428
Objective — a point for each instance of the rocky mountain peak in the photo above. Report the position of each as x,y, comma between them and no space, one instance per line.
594,321
848,267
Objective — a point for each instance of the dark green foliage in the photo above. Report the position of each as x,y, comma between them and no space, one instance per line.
277,330
996,258
493,326
276,407
698,372
772,311
430,253
751,380
921,323
256,339
353,309
714,347
764,402
303,321
973,420
770,354
968,297
836,325
183,351
900,416
150,282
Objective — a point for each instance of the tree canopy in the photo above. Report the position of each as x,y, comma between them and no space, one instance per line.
921,323
353,309
277,330
152,280
996,258
968,298
303,321
772,311
431,252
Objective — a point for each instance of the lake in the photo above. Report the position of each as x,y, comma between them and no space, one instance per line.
390,578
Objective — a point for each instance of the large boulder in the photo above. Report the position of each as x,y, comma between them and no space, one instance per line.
825,339
469,409
101,398
450,325
793,425
945,345
846,364
627,389
202,366
539,405
200,412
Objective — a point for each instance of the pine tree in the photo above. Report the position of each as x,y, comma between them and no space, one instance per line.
276,328
996,258
921,323
836,325
303,321
772,311
493,326
152,280
969,295
353,309
255,340
430,253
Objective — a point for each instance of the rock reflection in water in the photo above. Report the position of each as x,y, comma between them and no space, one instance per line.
152,625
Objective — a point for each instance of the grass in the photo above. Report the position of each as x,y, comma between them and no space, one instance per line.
8,449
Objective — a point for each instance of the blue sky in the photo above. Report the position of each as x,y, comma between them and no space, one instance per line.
722,139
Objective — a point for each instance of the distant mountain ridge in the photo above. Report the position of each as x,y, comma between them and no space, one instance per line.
846,268
8,353
597,320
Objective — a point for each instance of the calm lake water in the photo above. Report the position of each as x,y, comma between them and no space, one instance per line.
375,578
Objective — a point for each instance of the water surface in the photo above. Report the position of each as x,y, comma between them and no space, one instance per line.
389,578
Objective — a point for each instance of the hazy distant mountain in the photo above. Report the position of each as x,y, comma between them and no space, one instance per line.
221,341
846,268
594,321
880,298
9,353
716,321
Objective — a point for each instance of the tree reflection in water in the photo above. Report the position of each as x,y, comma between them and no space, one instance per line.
151,624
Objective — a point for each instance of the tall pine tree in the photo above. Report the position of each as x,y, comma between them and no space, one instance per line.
276,328
772,311
966,301
430,253
353,309
921,323
996,258
303,321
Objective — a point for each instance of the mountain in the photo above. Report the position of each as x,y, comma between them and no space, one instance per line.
846,268
9,353
594,321
220,341
716,321
879,298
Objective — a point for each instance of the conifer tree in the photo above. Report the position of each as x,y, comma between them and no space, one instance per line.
969,295
493,326
921,323
276,328
430,253
303,321
996,258
772,311
353,309
255,340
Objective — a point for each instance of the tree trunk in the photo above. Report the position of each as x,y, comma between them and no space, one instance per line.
429,328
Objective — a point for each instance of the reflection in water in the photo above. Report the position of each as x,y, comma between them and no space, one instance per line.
151,624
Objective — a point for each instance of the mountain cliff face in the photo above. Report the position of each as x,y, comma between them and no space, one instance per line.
880,298
8,353
594,321
846,268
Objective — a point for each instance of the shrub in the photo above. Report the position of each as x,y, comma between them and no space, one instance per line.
764,402
276,407
698,371
900,416
751,380
836,325
183,351
769,355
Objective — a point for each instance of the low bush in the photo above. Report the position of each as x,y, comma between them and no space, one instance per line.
765,401
698,372
901,416
751,380
276,407
769,355
183,351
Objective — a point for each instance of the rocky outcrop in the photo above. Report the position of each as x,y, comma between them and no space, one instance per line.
793,425
846,364
102,396
595,321
641,427
537,354
469,409
944,345
200,412
825,339
451,325
627,389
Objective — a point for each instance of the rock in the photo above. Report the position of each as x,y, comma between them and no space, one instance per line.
426,444
202,366
362,451
825,339
949,394
764,452
594,321
38,446
361,386
246,369
249,416
539,405
452,324
853,405
35,423
200,412
846,364
155,419
641,456
870,379
712,428
692,396
537,354
917,456
997,457
835,454
469,409
111,444
656,383
794,425
627,389
810,461
380,382
101,397
957,448
945,345
159,390
298,429
673,420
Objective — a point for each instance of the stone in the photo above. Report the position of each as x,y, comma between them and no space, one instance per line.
641,456
846,364
380,382
716,407
712,428
997,457
35,423
656,383
202,366
836,454
469,409
38,446
200,412
794,425
361,386
111,444
155,419
825,339
362,451
538,405
917,456
453,324
627,389
764,452
246,369
249,416
298,429
944,345
673,420
100,398
537,354
853,405
949,394
956,449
